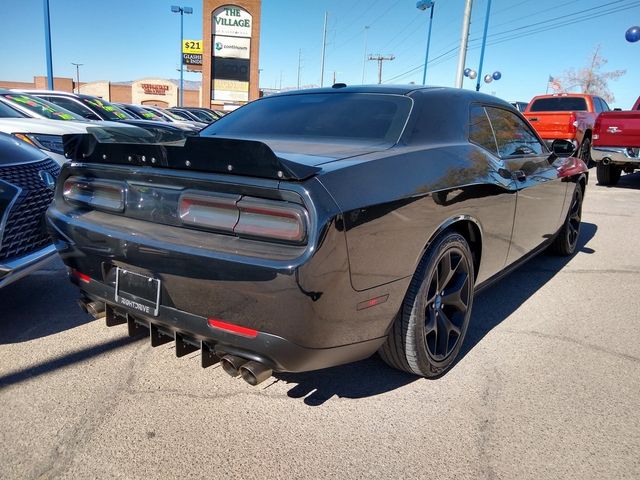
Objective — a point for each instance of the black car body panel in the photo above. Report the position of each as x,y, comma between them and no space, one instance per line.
372,206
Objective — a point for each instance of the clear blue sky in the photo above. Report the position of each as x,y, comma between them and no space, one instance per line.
529,40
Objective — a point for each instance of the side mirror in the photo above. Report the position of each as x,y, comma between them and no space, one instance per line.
562,148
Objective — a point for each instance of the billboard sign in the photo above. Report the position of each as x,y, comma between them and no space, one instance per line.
230,90
192,47
231,47
231,21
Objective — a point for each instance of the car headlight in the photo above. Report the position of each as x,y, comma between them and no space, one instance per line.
51,143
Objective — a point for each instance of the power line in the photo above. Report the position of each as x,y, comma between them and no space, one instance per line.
535,31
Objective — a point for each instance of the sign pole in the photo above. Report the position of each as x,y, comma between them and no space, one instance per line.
484,44
181,61
47,37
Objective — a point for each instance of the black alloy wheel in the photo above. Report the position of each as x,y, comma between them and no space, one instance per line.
567,239
429,330
447,304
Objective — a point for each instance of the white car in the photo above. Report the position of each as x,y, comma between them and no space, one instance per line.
47,134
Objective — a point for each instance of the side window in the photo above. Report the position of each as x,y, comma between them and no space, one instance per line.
480,131
597,104
513,135
605,106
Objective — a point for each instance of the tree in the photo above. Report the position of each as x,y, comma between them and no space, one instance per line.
590,79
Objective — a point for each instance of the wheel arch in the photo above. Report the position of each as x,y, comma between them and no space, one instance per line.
467,226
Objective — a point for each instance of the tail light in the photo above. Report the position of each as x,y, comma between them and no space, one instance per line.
596,128
573,123
245,216
99,194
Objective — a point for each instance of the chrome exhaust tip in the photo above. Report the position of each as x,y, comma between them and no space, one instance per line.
231,364
606,161
255,373
96,309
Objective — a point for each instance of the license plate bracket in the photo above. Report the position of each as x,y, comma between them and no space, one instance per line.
137,291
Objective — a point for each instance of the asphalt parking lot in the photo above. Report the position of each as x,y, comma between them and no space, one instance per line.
548,387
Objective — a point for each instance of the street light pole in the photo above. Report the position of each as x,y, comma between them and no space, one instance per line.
364,60
181,11
484,44
424,5
78,65
47,38
462,57
324,47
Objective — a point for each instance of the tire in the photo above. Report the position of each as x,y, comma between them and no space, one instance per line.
415,343
608,174
567,238
585,152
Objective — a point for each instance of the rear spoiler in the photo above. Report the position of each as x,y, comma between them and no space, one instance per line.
203,154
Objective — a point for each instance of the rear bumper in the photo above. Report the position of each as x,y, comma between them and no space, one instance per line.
615,155
192,332
14,269
303,307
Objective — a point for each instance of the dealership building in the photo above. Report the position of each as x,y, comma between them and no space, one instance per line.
227,56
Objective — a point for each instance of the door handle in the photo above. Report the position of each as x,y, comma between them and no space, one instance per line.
519,175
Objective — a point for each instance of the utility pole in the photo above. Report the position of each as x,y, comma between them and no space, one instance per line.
299,60
381,58
78,65
324,47
464,38
47,38
280,80
364,57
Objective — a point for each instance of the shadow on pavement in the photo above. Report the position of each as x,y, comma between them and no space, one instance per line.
66,360
372,376
42,304
493,305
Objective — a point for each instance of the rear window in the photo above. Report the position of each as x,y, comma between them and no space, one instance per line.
348,116
559,104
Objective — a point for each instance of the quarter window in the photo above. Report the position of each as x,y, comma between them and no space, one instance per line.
480,131
513,136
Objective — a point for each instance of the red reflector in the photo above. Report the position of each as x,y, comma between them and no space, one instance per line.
372,302
229,327
81,276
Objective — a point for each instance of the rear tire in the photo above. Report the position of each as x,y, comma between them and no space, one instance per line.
585,152
429,330
608,174
567,238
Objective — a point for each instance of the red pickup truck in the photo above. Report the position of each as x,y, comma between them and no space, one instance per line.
570,116
616,144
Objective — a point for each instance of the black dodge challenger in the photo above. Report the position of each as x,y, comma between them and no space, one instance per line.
314,228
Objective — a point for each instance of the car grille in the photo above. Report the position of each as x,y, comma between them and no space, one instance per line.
25,230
